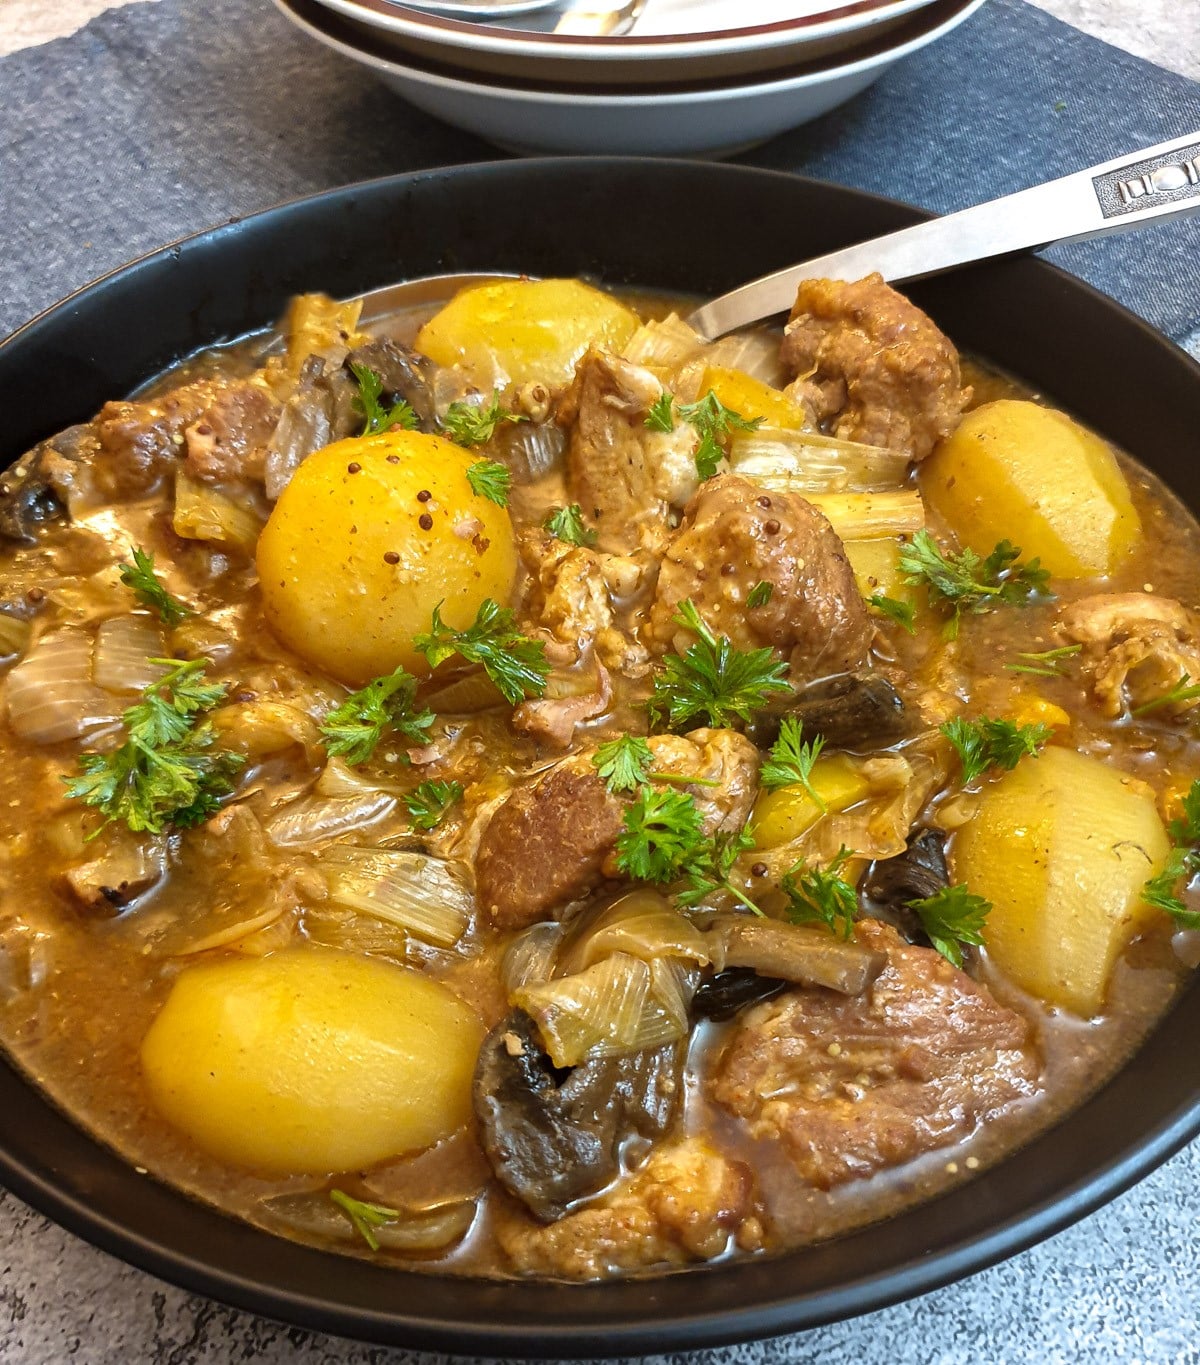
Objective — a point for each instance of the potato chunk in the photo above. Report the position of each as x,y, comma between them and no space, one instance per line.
311,1060
1061,846
525,331
370,535
1017,471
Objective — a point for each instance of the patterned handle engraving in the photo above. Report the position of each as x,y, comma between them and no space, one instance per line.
1165,179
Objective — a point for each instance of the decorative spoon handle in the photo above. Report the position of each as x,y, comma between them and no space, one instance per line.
1142,187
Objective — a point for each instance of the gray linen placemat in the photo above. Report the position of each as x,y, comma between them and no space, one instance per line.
157,120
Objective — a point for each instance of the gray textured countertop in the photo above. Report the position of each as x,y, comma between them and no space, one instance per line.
1122,1286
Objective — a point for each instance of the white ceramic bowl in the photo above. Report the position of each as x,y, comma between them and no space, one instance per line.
741,38
711,118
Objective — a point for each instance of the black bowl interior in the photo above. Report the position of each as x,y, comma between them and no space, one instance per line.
681,226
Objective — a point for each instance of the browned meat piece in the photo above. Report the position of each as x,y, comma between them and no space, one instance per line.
1136,648
554,719
221,427
624,476
874,365
735,535
687,1203
550,843
851,1085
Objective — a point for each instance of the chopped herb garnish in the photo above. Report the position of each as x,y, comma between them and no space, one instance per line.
714,683
965,582
661,834
376,416
792,761
566,523
469,425
353,729
903,613
490,479
710,868
140,576
428,803
820,895
1047,663
952,917
661,416
514,662
623,763
365,1217
165,774
712,420
986,743
760,594
1182,864
1184,690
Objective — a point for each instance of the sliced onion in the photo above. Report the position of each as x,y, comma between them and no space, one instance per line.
231,933
807,462
14,635
354,933
465,696
644,925
122,653
259,728
809,956
663,345
416,892
339,781
532,449
49,696
530,957
313,820
423,1230
203,512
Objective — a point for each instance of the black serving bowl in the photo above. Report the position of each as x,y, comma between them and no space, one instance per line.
679,226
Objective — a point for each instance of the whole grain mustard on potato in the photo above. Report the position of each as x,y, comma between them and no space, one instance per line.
1014,470
525,331
371,534
311,1060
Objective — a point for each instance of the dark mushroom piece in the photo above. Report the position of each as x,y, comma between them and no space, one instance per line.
733,990
918,872
849,711
36,489
554,1136
404,374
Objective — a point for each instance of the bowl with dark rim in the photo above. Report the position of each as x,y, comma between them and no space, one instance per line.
1083,351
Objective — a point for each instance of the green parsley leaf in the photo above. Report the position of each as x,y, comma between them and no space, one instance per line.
952,917
428,803
353,729
623,763
1184,690
710,867
986,743
760,594
376,417
713,683
714,421
469,425
820,895
1187,830
903,613
165,773
1182,864
791,761
661,416
140,576
1047,663
490,479
661,832
515,663
365,1217
566,523
965,582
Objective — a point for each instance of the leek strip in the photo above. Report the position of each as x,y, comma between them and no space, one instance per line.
203,512
806,461
418,893
867,516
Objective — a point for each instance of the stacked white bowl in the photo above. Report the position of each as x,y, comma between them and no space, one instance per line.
657,77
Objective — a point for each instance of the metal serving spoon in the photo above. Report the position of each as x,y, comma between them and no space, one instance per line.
1144,187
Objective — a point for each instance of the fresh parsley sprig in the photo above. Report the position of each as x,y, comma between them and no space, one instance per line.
1184,690
566,523
760,594
1046,663
140,576
710,869
428,803
1182,864
166,772
965,582
987,743
950,918
353,729
365,1217
822,896
470,425
712,420
376,417
713,683
903,613
792,761
490,479
662,831
624,763
514,662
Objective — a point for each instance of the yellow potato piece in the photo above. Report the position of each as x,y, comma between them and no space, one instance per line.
1017,471
528,330
311,1060
785,814
1062,847
876,565
349,574
750,398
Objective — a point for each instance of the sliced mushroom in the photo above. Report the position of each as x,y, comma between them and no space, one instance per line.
804,955
918,872
733,990
850,711
554,1136
404,373
38,487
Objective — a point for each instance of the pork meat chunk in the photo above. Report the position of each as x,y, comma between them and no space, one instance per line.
687,1203
735,535
1136,648
852,1085
625,477
874,365
723,757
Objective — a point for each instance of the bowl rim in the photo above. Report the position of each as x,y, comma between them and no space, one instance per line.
578,1319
